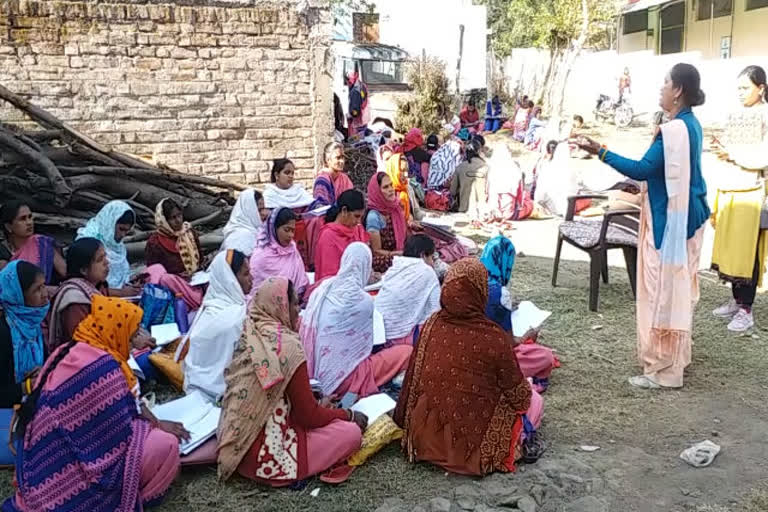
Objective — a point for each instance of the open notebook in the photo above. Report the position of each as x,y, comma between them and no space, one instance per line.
198,415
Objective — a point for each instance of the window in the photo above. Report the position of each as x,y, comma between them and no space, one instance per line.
672,28
382,72
756,4
636,22
722,8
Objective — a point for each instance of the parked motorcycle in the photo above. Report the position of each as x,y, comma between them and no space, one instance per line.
619,111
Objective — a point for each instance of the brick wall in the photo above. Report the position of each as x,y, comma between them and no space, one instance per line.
210,87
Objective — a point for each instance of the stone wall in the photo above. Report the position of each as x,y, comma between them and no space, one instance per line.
209,87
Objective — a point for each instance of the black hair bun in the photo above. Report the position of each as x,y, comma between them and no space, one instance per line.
699,99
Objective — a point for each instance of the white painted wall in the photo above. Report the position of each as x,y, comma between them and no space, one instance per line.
432,26
596,73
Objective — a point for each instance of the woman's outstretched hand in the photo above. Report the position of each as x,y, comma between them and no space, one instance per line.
587,144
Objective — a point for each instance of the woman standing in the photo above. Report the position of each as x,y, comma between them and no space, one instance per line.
465,402
671,231
21,242
385,222
245,221
276,254
741,243
341,229
272,429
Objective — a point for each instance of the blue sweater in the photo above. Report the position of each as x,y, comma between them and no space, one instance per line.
651,169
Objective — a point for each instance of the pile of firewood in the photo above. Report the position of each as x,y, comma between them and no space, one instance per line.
66,177
360,165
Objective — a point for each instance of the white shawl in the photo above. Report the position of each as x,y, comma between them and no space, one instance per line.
244,224
337,326
215,331
294,197
409,295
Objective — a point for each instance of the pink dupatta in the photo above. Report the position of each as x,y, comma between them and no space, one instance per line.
377,201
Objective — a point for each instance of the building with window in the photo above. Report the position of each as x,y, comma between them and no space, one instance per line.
715,28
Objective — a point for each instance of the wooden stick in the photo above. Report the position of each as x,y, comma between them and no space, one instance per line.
60,187
206,219
48,120
152,173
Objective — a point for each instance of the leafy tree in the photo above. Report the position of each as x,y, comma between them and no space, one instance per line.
426,107
564,27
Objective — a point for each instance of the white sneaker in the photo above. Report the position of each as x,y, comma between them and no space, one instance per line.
727,310
742,321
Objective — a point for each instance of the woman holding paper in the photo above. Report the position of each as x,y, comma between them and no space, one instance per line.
465,405
173,253
535,360
276,253
272,429
337,331
83,415
218,325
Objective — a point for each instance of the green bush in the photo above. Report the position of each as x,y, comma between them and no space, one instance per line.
429,103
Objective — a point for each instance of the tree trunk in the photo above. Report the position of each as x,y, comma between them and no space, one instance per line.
569,60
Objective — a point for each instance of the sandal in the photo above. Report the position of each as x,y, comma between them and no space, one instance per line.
338,474
533,448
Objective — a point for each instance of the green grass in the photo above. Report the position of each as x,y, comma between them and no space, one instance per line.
589,401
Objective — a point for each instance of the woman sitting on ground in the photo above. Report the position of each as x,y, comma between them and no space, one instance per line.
464,400
218,325
124,461
332,181
535,360
469,184
110,226
244,223
282,192
23,305
272,429
410,291
21,242
87,271
341,229
385,222
276,254
337,331
173,253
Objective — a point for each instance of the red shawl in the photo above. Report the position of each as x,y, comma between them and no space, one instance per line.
413,139
376,201
333,239
463,379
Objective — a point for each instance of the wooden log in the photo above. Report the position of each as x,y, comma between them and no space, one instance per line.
207,219
48,120
91,154
148,194
61,221
132,172
42,162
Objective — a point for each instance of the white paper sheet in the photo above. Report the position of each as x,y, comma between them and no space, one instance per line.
374,287
311,277
198,415
133,365
375,406
165,333
379,334
526,317
200,278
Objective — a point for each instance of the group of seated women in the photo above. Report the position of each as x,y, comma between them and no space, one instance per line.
85,440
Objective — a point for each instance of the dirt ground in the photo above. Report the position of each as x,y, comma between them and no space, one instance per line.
640,433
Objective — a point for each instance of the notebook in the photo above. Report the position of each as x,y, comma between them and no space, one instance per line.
379,334
375,406
526,317
165,333
199,416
